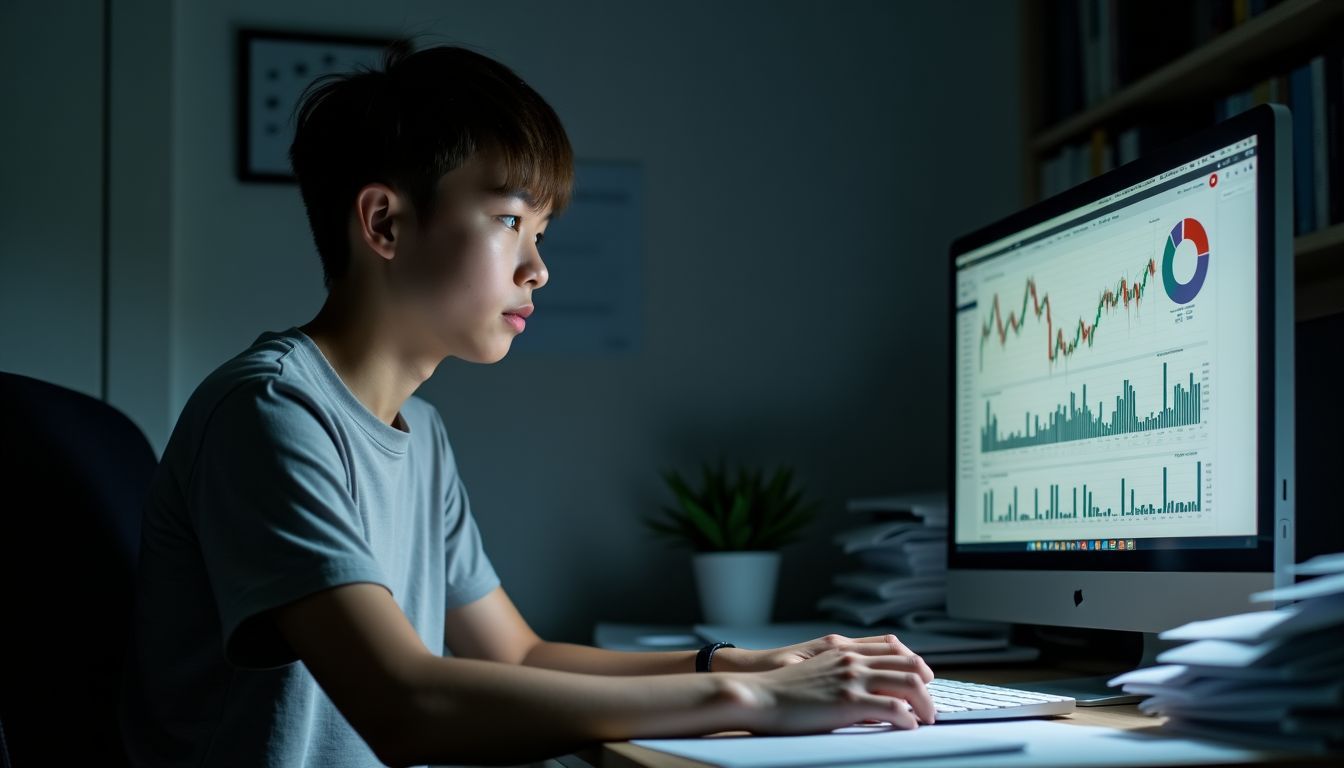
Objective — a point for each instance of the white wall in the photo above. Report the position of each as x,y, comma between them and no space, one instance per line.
51,173
806,166
140,233
52,322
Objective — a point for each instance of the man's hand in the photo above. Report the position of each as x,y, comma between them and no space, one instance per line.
836,688
742,660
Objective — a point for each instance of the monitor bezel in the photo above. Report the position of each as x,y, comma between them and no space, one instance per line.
1259,122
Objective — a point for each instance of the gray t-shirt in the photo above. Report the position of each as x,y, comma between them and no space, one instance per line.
278,483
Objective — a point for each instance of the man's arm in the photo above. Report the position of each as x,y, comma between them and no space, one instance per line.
492,628
412,706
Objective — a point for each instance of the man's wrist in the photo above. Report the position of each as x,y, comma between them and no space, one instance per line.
741,699
733,660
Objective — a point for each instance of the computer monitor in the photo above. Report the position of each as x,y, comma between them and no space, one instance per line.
1121,437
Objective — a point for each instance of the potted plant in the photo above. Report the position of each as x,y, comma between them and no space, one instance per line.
735,523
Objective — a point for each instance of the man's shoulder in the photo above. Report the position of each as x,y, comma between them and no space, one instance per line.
274,354
270,369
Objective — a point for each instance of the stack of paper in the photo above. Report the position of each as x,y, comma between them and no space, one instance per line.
901,547
901,576
1272,679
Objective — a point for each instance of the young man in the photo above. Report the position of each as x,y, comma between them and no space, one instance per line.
308,509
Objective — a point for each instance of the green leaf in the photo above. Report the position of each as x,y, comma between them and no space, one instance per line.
739,528
707,525
713,483
678,485
734,508
779,484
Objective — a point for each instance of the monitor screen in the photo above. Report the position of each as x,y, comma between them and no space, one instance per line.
1121,372
1105,370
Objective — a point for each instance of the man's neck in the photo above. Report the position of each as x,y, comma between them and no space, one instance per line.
372,360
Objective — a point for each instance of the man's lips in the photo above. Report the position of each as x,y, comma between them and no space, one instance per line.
518,317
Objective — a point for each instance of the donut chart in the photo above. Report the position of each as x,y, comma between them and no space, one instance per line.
1192,230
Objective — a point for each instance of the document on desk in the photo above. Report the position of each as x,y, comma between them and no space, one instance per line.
856,744
1047,745
1321,586
1321,565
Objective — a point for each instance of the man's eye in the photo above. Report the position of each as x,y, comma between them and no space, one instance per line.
509,220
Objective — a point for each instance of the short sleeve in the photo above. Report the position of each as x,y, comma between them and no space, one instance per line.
273,514
469,573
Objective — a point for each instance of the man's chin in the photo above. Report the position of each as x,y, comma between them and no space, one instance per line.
488,355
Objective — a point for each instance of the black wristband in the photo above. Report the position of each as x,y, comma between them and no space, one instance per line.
706,654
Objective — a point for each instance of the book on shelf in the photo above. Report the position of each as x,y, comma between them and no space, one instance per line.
1097,47
1312,91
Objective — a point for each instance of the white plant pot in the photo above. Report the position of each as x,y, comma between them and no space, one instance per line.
736,588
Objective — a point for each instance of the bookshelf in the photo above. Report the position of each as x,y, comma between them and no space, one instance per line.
1260,47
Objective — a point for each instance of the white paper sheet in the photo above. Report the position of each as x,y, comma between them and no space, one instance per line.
1159,675
886,585
858,744
871,610
1232,694
1246,627
937,620
932,507
1060,745
1260,626
1321,565
1322,586
896,534
1218,653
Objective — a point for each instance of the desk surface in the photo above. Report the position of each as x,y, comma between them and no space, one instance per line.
1121,717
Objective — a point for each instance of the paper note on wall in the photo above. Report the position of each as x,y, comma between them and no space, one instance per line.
593,302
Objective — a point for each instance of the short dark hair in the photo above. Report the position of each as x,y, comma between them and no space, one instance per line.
420,116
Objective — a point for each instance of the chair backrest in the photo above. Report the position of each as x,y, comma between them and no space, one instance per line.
74,476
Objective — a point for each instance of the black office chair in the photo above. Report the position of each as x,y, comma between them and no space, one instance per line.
74,477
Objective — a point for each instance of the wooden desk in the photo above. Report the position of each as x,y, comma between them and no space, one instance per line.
1121,717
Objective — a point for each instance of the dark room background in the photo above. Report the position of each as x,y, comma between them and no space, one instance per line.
804,168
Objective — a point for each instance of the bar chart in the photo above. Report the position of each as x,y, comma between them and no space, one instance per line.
1078,420
1139,491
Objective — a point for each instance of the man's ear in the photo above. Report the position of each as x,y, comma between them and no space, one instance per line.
378,217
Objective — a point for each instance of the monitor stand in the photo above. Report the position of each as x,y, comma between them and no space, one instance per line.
1093,691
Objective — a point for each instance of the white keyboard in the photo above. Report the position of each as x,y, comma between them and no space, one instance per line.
954,700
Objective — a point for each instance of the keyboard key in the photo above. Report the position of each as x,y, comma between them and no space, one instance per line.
957,700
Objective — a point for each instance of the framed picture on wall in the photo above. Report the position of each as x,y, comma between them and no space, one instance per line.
274,68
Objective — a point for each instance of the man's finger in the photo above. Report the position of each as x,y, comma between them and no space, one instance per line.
890,640
925,672
873,639
901,663
888,709
874,649
867,648
898,645
904,685
880,646
895,663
